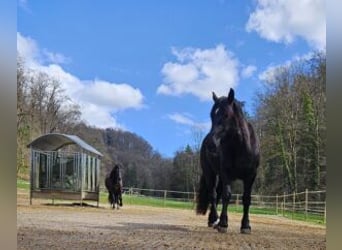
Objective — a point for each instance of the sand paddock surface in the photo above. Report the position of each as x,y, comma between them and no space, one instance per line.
67,226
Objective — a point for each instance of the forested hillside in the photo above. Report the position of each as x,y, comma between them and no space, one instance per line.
290,118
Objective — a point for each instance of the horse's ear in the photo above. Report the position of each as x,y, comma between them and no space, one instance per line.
231,96
215,98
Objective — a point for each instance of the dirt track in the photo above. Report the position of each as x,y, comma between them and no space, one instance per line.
135,227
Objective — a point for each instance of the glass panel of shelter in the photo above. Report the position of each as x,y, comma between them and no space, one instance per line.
64,170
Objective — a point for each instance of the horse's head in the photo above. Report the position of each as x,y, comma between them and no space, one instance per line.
117,168
115,175
225,115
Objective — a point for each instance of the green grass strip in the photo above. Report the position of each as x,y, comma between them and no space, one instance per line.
160,202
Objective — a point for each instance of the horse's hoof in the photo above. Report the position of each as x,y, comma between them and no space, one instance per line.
214,224
221,229
246,230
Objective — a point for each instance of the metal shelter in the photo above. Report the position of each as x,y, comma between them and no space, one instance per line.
64,167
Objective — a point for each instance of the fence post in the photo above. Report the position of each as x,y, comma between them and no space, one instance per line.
277,204
284,200
293,204
237,200
325,212
130,195
261,201
306,203
165,194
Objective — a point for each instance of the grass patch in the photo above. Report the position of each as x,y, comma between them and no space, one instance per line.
23,184
314,218
156,202
149,201
252,210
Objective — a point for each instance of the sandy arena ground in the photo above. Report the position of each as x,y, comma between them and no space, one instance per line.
63,226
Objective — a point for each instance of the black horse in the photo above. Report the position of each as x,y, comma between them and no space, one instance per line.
229,151
113,184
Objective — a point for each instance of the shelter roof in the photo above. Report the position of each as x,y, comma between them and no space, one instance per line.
55,141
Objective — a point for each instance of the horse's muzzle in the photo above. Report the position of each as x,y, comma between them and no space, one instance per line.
217,134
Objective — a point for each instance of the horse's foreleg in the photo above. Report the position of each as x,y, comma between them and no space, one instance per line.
226,194
246,200
213,218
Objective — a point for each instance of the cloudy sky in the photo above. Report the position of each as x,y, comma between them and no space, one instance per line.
150,67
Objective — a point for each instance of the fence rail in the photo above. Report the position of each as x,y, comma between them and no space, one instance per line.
307,204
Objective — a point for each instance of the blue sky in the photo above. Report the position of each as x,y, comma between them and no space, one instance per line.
149,67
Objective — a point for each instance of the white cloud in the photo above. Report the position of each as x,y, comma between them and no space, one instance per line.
186,119
248,71
99,116
98,99
28,49
181,119
55,57
284,20
199,72
269,75
114,96
34,56
73,85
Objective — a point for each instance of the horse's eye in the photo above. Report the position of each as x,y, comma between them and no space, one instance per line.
216,111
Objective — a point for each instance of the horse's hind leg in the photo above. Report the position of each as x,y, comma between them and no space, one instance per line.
120,200
246,200
117,201
113,200
110,199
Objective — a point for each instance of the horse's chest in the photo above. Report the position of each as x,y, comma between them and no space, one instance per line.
238,167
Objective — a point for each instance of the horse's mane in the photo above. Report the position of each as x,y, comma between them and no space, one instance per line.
242,122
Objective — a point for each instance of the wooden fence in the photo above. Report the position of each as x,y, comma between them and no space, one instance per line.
307,204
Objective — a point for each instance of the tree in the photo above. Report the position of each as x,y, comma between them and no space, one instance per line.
23,128
45,102
290,119
42,107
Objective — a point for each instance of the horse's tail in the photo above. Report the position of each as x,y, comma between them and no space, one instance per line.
202,198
